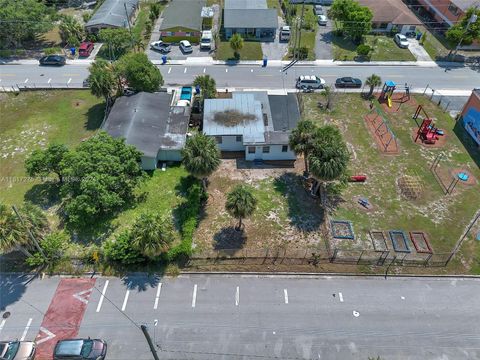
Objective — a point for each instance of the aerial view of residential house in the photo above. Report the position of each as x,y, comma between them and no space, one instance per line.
113,14
389,15
253,124
447,12
470,116
250,18
152,124
182,20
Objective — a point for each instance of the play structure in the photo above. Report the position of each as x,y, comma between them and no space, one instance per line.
427,132
382,132
389,87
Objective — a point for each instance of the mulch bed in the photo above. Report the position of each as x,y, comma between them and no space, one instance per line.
392,148
379,241
342,229
399,241
420,241
396,103
471,179
442,140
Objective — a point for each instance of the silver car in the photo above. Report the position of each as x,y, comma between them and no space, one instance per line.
17,350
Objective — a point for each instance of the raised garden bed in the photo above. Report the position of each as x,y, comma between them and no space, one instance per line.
342,229
399,241
420,242
379,241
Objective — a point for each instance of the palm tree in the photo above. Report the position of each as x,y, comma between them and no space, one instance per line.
152,234
102,80
201,157
241,203
70,28
301,139
236,43
373,81
207,86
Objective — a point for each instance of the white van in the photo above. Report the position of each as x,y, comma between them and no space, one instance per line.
206,40
285,33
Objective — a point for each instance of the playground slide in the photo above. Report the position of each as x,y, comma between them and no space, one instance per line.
389,101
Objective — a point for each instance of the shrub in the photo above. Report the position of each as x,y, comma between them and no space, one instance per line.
87,16
363,49
52,50
302,52
122,250
53,247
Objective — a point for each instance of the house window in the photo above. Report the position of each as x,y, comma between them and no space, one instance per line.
239,138
266,149
383,25
284,148
218,139
453,9
251,149
265,120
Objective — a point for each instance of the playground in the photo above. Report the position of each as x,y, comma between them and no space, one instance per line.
402,207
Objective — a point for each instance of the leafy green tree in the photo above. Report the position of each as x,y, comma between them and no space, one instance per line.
155,11
122,250
241,203
373,81
356,19
118,41
363,50
301,139
43,162
54,246
71,30
236,43
201,157
208,89
152,234
139,72
466,30
102,79
105,172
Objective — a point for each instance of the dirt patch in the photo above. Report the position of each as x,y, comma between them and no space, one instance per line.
411,187
398,100
471,181
78,103
381,133
362,204
378,240
420,241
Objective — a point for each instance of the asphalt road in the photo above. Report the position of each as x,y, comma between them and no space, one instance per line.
251,317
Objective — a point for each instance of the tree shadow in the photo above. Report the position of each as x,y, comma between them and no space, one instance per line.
304,212
229,238
12,287
467,142
95,116
45,195
142,282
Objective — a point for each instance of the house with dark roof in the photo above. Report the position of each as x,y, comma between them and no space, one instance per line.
253,123
152,124
113,14
182,20
250,18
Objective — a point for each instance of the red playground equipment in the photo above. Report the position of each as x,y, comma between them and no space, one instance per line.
427,132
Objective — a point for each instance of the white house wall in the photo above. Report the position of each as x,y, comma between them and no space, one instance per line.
274,154
230,143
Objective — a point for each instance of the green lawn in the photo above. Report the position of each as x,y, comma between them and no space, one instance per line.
31,120
384,47
252,50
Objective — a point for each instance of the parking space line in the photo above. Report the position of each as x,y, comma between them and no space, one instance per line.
194,297
26,80
237,296
2,324
285,292
48,82
185,70
26,329
159,289
226,70
124,305
169,69
251,70
340,296
204,69
99,306
68,82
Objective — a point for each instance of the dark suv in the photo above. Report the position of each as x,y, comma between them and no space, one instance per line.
58,60
80,349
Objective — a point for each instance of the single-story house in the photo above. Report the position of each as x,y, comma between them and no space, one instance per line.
182,20
113,14
447,12
152,124
390,14
250,18
470,116
254,123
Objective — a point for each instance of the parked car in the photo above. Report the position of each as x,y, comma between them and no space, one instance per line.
185,46
310,82
401,41
80,349
322,20
206,40
285,33
85,49
318,10
161,46
348,82
17,350
58,60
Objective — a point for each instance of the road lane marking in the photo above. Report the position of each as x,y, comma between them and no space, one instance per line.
69,80
26,80
340,296
204,69
251,70
99,306
83,295
237,296
403,297
49,336
185,70
24,335
226,70
285,292
267,75
126,297
49,80
159,289
2,324
169,69
194,297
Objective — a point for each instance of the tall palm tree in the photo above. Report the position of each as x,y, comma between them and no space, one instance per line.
102,79
201,157
208,89
373,81
301,139
236,43
70,28
241,203
152,234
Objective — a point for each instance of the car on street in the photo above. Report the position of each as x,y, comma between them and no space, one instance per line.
80,349
401,41
85,49
160,46
309,82
322,20
17,350
185,46
58,60
318,10
348,82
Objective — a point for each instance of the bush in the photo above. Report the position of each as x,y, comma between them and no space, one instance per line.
363,49
122,250
52,50
53,246
302,52
87,16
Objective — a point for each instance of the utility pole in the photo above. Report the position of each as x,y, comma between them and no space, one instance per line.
472,19
149,341
37,245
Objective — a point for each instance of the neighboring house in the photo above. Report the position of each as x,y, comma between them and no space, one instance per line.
182,20
150,123
250,18
447,12
113,14
254,123
470,116
391,15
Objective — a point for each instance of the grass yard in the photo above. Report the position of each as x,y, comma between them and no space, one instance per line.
31,120
384,47
252,50
442,217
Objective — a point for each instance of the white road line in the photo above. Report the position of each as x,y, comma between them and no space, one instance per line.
69,80
169,69
126,297
48,82
2,324
204,69
26,329
159,289
185,70
251,70
226,70
340,296
194,297
237,296
99,306
285,292
26,80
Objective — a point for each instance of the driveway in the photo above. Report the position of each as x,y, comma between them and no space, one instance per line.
275,50
323,42
418,51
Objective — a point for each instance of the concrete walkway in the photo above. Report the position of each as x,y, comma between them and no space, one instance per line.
418,50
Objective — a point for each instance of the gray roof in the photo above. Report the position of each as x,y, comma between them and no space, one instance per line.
148,122
185,13
464,5
112,12
245,4
250,18
285,111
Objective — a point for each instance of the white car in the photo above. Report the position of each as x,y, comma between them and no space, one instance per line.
322,20
401,41
185,46
161,46
310,82
318,10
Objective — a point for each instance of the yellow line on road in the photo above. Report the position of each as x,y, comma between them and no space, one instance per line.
70,74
